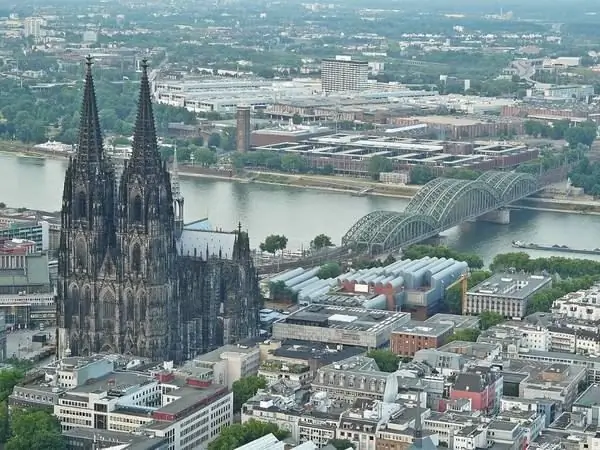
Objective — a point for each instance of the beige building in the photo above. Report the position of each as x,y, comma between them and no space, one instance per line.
226,364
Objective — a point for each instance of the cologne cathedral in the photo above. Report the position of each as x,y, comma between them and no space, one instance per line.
133,278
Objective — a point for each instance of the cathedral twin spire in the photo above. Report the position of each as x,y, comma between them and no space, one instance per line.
90,153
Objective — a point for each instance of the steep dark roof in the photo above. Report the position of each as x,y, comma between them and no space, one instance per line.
89,143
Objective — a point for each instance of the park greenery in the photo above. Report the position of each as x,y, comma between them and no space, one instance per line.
274,243
586,175
583,133
385,359
341,444
25,429
280,292
237,435
488,319
31,428
245,388
329,270
440,251
465,334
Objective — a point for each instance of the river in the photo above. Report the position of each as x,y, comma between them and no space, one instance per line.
300,214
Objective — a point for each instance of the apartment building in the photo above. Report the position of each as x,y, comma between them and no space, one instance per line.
343,74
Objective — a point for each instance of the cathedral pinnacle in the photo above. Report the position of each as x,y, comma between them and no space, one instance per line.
145,154
89,143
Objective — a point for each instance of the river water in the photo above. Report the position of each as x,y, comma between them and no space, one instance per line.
301,214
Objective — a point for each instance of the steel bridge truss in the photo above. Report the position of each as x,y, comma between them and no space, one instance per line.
439,205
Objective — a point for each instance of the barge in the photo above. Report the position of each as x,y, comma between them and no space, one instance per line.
555,248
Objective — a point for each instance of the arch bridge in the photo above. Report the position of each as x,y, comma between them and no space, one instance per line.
439,205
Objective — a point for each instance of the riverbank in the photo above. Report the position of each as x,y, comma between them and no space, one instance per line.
560,205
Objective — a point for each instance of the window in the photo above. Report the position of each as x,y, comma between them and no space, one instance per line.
81,208
136,212
136,258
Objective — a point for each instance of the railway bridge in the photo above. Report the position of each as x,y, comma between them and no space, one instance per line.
439,205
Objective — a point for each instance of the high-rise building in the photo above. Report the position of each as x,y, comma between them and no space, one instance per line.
343,74
130,280
32,26
243,128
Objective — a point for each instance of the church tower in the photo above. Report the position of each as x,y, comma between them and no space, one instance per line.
146,243
87,233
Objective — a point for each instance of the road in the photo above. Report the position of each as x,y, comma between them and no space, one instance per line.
20,343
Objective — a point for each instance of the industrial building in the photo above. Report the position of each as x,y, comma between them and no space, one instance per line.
351,153
505,293
343,74
338,325
415,286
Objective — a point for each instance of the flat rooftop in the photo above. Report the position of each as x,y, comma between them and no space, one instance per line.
340,317
418,328
516,286
589,397
307,350
216,355
456,320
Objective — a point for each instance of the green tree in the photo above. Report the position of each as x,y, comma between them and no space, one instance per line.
293,163
385,359
329,270
214,140
35,429
8,380
205,157
296,119
488,319
421,175
4,422
466,334
452,302
441,251
246,388
236,435
379,164
341,444
321,241
2,205
273,243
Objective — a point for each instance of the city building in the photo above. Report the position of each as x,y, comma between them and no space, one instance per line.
356,377
38,232
88,439
518,333
588,404
338,325
554,381
350,153
132,277
584,304
343,74
94,394
243,128
32,27
226,364
482,386
432,333
505,293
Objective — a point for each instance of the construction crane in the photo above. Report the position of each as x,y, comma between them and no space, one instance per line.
463,280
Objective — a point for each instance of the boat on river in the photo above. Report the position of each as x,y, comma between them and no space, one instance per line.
555,248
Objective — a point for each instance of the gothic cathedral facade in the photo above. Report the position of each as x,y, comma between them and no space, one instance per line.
132,278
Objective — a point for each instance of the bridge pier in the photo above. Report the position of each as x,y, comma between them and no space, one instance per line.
500,216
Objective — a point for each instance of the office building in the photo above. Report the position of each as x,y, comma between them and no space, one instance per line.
505,293
94,393
339,325
38,232
343,74
243,128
